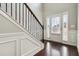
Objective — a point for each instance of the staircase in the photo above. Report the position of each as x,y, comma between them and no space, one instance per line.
28,40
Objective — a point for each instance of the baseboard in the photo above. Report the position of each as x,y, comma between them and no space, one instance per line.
60,43
32,53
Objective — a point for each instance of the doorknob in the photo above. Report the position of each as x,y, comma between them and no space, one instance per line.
64,25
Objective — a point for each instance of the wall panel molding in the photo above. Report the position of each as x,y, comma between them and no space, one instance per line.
20,44
8,48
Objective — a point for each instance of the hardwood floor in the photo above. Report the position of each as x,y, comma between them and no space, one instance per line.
57,49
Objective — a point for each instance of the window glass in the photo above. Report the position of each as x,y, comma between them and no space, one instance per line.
56,25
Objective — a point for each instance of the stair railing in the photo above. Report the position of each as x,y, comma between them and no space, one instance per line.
23,15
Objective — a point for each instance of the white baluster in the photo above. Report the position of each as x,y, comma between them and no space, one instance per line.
9,9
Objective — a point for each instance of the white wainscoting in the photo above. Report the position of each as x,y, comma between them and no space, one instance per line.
8,48
19,44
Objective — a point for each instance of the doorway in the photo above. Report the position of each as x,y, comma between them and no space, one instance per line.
58,29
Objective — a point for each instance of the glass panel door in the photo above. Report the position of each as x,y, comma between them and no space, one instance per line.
56,25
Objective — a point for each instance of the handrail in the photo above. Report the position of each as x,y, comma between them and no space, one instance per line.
34,15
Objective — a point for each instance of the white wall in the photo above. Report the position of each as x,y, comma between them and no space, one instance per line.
37,10
57,8
8,27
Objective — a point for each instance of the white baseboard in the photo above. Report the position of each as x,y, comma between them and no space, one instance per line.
73,44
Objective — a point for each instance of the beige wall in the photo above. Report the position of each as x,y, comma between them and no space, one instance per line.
57,8
37,10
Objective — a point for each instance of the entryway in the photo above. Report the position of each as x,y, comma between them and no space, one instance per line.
57,27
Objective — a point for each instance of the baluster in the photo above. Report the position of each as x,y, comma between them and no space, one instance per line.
25,16
33,26
18,13
36,28
11,9
27,19
30,23
39,32
21,14
8,9
15,11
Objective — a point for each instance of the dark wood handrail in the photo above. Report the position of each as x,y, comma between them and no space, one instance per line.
34,15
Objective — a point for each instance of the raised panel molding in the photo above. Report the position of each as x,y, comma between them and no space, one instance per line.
27,46
8,48
19,44
30,48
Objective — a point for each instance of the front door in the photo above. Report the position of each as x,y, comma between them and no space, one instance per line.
59,27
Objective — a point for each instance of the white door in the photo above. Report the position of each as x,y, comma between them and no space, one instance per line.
57,27
65,27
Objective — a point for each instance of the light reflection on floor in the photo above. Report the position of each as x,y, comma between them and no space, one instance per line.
48,49
55,52
52,51
64,51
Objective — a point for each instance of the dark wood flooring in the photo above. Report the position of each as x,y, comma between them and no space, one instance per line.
57,49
